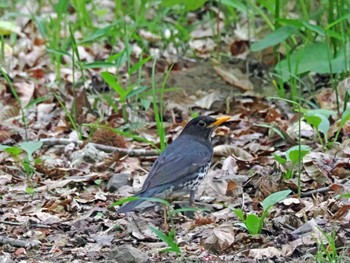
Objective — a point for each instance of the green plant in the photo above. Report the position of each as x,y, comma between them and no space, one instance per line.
168,238
318,119
344,118
253,223
27,161
294,155
328,252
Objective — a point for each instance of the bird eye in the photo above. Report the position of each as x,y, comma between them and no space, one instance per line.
202,123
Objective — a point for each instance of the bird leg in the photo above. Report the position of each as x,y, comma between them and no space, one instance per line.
165,225
192,197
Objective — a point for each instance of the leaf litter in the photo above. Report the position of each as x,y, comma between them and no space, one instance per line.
62,211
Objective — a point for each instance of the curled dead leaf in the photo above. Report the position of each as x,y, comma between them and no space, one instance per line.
230,150
234,77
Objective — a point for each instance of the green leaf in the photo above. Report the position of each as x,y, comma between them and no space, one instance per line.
98,64
8,27
134,92
239,213
31,147
317,29
138,65
36,101
344,117
324,112
319,121
101,32
98,182
279,159
274,38
58,52
315,57
347,195
294,155
253,224
189,5
274,198
30,190
13,150
173,247
236,5
125,200
112,82
269,126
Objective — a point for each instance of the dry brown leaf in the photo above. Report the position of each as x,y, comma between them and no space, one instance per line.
230,150
25,91
319,166
234,77
221,238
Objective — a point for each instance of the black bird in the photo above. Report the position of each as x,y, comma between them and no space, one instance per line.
183,164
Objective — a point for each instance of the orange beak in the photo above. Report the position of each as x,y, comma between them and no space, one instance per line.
219,121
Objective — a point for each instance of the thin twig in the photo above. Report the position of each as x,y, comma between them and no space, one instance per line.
31,224
19,243
315,191
101,147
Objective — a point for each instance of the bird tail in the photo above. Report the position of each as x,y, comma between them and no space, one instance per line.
130,206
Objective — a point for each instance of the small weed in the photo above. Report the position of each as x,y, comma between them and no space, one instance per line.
254,223
23,153
328,252
294,155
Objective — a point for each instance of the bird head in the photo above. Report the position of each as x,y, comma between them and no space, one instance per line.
203,126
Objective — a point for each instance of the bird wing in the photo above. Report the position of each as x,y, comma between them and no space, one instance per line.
175,163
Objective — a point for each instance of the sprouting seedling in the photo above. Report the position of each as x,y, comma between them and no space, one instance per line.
294,155
254,223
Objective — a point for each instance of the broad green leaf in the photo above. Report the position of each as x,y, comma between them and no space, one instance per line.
294,155
347,195
13,150
316,57
8,27
345,117
325,112
279,159
319,121
3,147
274,38
31,147
274,198
253,224
239,213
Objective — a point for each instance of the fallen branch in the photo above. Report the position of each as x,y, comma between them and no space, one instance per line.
29,224
315,191
101,147
18,243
